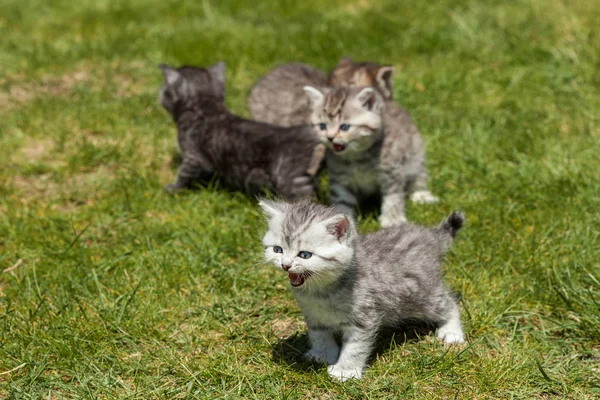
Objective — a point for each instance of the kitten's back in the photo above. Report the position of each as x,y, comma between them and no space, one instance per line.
401,247
278,98
392,255
237,148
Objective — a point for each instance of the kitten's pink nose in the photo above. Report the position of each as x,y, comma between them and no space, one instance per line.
286,267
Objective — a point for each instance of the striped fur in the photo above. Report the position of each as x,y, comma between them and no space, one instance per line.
245,154
277,97
357,285
380,154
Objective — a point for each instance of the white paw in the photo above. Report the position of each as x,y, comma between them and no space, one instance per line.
450,335
423,197
343,374
386,221
328,356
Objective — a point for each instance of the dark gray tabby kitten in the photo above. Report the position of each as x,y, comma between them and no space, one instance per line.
356,285
372,149
247,154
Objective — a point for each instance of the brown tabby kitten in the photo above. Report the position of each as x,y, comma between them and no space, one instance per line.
358,74
278,97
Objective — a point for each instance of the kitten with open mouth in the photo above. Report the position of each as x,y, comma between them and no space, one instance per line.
297,279
338,147
355,285
373,149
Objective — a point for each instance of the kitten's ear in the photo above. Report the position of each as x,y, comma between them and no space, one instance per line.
170,75
384,79
314,94
339,226
217,71
367,97
344,62
271,209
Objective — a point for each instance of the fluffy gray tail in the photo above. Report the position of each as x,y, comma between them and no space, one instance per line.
450,226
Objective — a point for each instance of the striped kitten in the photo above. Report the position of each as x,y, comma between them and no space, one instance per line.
356,285
372,149
358,74
246,154
277,98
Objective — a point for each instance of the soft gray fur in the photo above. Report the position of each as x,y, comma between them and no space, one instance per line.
248,155
381,152
356,285
278,98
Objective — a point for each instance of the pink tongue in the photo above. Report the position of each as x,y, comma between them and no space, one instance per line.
295,279
338,147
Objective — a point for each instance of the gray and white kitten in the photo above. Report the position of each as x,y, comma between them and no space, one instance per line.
356,285
372,149
246,154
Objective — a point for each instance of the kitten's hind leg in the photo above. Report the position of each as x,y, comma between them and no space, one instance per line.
357,345
418,190
256,180
445,314
323,346
450,332
190,171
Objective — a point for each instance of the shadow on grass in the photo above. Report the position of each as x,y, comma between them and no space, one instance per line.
213,181
290,351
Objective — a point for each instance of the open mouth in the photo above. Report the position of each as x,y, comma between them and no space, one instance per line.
338,147
297,279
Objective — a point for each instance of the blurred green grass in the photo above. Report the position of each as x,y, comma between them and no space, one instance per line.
126,292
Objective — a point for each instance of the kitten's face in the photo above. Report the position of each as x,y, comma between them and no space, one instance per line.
187,82
312,243
352,74
347,120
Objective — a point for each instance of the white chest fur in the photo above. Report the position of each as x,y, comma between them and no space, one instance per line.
329,311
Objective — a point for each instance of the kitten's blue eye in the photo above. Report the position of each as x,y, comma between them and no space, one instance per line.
305,254
344,127
322,126
277,249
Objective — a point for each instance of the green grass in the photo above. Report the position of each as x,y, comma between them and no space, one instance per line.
120,290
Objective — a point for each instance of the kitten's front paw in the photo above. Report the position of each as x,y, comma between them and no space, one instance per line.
386,221
343,373
450,335
328,356
423,197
